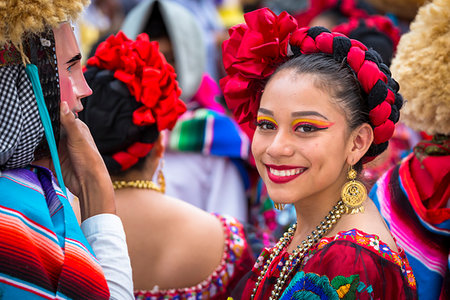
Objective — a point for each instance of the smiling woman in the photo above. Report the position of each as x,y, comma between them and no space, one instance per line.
318,105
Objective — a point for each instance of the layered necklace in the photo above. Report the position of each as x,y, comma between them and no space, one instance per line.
297,255
139,184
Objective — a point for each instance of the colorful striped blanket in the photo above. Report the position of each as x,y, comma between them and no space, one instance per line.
43,252
413,198
210,133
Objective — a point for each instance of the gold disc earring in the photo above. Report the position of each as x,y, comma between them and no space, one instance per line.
161,179
353,193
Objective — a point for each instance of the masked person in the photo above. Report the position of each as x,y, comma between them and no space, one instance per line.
45,253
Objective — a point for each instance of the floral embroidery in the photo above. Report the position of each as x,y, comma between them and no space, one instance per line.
259,262
312,286
367,241
309,286
346,287
371,242
375,243
361,240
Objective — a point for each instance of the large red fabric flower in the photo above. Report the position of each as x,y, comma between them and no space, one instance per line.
250,56
150,79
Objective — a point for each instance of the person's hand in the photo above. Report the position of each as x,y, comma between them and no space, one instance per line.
83,169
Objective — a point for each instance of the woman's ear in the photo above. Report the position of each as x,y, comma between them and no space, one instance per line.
360,141
158,146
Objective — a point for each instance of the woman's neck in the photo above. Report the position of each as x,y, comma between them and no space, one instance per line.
131,175
310,212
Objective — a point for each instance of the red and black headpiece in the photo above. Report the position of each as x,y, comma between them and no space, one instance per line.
377,32
256,49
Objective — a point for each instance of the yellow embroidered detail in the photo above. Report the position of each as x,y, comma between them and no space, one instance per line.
343,290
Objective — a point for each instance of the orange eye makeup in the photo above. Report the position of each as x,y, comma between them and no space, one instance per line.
265,118
266,123
318,124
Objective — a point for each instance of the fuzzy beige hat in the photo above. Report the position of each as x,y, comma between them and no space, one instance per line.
422,68
404,9
20,17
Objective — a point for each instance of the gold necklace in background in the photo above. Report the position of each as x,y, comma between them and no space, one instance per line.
138,184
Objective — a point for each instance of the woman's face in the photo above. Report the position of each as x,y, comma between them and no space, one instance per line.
72,83
302,140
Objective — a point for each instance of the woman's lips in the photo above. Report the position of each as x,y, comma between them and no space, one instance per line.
283,174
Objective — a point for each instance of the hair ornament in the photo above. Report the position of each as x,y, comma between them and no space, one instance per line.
146,103
347,8
250,56
243,88
148,76
377,22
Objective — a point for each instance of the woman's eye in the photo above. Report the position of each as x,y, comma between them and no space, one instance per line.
266,125
306,128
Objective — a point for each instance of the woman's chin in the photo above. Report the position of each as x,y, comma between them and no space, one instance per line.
282,197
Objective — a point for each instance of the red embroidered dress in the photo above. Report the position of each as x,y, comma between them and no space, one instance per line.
351,265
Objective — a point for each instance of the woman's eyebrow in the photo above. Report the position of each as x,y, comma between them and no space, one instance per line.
308,113
265,111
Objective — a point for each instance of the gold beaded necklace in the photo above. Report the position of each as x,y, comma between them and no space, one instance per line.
139,184
298,253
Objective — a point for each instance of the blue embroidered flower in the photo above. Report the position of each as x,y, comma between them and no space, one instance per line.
385,249
309,286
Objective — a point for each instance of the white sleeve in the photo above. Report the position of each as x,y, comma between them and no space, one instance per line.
105,234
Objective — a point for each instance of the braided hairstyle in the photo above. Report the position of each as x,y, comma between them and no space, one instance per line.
361,83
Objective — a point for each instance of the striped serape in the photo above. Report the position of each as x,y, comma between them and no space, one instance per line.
413,198
43,252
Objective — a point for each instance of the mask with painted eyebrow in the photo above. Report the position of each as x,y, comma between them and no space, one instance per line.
319,124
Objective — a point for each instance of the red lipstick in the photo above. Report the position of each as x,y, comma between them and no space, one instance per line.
283,174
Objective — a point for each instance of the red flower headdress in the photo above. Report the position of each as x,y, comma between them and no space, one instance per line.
149,78
250,56
255,50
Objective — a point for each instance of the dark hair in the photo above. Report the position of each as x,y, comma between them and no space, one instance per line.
108,114
155,27
338,80
44,57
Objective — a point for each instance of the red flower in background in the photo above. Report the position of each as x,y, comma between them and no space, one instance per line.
148,76
250,56
378,22
347,8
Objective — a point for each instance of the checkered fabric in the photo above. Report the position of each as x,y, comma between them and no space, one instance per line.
20,125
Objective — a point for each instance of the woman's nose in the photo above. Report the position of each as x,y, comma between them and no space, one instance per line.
282,145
